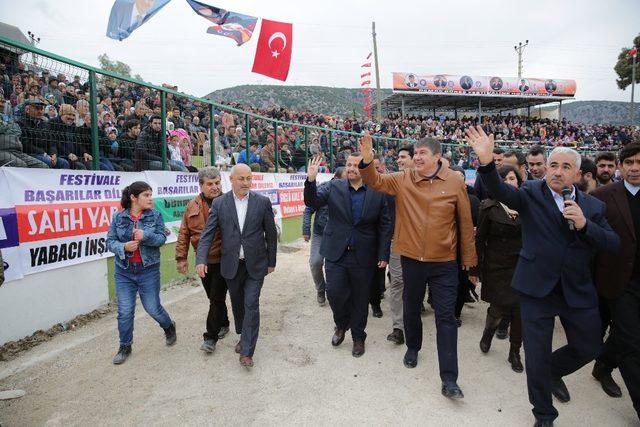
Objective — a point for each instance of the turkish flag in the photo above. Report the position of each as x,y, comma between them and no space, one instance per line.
633,52
273,54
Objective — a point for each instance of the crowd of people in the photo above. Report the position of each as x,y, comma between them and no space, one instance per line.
556,236
45,121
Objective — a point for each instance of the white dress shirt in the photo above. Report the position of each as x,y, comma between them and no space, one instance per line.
241,209
560,200
633,189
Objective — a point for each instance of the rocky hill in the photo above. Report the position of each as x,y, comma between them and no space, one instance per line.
344,101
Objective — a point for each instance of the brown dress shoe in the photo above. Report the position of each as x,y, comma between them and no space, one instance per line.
358,348
246,361
238,347
338,337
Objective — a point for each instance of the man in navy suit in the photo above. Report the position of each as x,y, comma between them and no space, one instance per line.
356,239
553,275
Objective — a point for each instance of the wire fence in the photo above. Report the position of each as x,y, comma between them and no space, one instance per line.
72,115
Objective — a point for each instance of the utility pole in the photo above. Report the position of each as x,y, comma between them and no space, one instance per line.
519,48
375,59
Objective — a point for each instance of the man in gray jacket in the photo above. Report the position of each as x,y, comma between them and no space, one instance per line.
248,253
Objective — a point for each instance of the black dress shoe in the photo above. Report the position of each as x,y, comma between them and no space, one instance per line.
410,358
543,423
377,311
396,337
602,373
559,390
338,337
452,391
358,349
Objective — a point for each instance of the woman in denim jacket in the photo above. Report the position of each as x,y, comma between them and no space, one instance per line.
135,236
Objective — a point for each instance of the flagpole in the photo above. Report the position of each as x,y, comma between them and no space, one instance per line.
375,58
633,85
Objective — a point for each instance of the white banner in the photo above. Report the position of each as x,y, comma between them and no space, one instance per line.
55,218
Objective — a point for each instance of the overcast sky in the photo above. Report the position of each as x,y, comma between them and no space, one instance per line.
567,39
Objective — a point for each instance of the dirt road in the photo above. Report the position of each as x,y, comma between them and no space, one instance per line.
299,378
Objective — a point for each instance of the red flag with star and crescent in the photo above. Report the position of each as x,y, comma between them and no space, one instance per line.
273,54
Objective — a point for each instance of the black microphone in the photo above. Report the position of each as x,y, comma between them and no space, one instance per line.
566,195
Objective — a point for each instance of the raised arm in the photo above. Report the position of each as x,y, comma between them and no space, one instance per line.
313,197
387,183
483,145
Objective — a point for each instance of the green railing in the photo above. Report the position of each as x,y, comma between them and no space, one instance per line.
217,117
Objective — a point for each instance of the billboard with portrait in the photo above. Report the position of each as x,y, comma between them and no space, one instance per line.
455,84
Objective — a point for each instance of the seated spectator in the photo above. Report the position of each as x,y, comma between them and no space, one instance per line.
119,163
254,160
268,156
11,153
67,139
36,135
285,159
148,153
300,157
174,157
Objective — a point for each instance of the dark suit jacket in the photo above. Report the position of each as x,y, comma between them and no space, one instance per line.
258,238
551,253
613,269
372,233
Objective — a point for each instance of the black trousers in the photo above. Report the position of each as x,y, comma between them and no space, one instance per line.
245,303
608,356
512,312
625,316
348,288
443,285
216,288
582,328
377,286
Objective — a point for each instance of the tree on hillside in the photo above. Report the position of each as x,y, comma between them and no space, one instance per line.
116,66
623,66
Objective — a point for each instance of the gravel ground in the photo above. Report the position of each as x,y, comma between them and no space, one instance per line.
299,378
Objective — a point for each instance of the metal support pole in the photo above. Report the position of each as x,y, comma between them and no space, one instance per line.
212,140
93,109
163,130
434,113
402,106
276,147
247,129
455,113
560,111
330,150
529,111
479,111
375,60
306,148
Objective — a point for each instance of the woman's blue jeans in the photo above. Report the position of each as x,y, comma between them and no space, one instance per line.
138,280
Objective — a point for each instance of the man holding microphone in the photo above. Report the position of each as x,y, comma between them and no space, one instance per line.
562,228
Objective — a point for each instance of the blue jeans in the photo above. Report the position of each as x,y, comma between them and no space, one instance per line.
145,281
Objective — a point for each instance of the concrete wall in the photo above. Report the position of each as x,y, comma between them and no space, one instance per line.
41,300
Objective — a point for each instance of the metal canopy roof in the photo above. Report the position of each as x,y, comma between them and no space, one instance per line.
414,101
